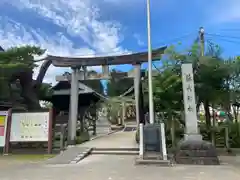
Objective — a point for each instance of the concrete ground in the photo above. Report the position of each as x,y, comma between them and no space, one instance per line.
116,167
105,167
116,140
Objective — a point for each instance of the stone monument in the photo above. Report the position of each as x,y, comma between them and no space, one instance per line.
192,149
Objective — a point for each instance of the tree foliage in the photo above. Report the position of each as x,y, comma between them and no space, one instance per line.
16,70
216,80
116,86
96,85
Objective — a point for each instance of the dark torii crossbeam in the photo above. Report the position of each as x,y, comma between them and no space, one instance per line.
136,58
79,66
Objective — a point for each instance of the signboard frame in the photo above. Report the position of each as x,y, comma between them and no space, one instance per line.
50,131
3,137
26,125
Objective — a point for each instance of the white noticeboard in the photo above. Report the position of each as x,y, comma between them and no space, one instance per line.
189,99
29,127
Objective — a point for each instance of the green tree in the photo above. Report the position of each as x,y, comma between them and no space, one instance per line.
210,73
217,82
96,85
117,86
45,91
17,64
168,98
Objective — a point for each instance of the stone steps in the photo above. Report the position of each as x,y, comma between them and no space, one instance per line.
115,151
159,162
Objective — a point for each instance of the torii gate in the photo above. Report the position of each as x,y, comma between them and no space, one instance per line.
79,66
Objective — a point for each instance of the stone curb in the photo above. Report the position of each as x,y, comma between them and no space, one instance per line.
104,135
134,153
88,151
81,156
162,163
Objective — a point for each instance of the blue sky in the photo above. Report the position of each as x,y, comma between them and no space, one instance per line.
107,27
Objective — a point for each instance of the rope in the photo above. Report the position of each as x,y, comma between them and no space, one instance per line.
121,95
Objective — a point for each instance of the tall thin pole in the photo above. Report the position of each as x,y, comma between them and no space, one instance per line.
201,38
150,88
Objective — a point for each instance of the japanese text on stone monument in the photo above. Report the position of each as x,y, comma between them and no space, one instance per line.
189,95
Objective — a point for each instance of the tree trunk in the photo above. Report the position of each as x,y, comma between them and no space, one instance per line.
235,112
227,108
141,104
81,117
173,132
198,107
28,91
207,114
42,71
207,117
213,126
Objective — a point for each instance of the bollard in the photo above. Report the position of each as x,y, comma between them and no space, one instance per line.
163,140
141,146
227,138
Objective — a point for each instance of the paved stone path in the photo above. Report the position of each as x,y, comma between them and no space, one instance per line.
103,167
102,126
116,140
112,167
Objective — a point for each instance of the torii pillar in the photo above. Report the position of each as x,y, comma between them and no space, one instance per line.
138,94
76,75
137,79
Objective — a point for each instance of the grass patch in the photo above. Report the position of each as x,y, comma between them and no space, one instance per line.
27,157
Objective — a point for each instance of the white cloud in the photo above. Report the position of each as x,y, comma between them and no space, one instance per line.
14,34
139,39
129,2
78,18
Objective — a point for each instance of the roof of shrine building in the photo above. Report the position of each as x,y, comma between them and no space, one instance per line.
105,60
63,88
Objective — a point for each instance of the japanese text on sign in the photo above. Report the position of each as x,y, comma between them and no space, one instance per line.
27,127
188,89
189,99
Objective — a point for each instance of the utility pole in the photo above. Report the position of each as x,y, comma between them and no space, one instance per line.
202,40
150,88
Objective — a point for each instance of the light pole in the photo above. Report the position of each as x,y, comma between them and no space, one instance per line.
150,88
201,37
